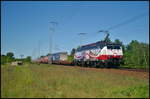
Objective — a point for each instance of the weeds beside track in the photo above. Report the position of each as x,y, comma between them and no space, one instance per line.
61,81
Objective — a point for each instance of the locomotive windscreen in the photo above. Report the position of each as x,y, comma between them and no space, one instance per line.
113,46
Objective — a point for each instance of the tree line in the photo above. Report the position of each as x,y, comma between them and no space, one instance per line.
9,57
136,54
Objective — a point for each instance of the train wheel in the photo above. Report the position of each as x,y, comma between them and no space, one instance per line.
74,63
101,64
90,64
95,64
98,65
87,64
82,64
107,65
79,63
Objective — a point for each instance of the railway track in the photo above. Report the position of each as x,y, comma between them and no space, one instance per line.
120,68
134,69
123,68
138,73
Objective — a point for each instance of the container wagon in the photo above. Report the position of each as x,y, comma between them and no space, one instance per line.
59,58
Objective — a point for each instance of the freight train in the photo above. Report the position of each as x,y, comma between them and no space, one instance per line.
99,54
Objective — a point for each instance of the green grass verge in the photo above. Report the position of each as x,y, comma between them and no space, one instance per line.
59,81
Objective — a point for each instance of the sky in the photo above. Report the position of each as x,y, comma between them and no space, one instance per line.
26,26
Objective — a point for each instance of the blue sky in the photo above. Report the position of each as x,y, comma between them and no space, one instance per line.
25,25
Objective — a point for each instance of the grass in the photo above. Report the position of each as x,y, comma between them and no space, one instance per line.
58,81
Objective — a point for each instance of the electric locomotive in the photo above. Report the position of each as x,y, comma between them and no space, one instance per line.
99,54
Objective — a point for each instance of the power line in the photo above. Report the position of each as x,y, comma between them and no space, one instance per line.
127,21
75,13
121,24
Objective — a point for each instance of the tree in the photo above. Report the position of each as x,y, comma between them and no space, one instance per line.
28,58
117,41
10,54
3,59
48,54
10,57
137,54
41,56
73,52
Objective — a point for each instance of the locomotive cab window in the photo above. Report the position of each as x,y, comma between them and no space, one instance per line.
109,47
113,47
116,47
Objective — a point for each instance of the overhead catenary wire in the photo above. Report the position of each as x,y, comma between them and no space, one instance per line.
74,13
132,19
127,21
52,29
